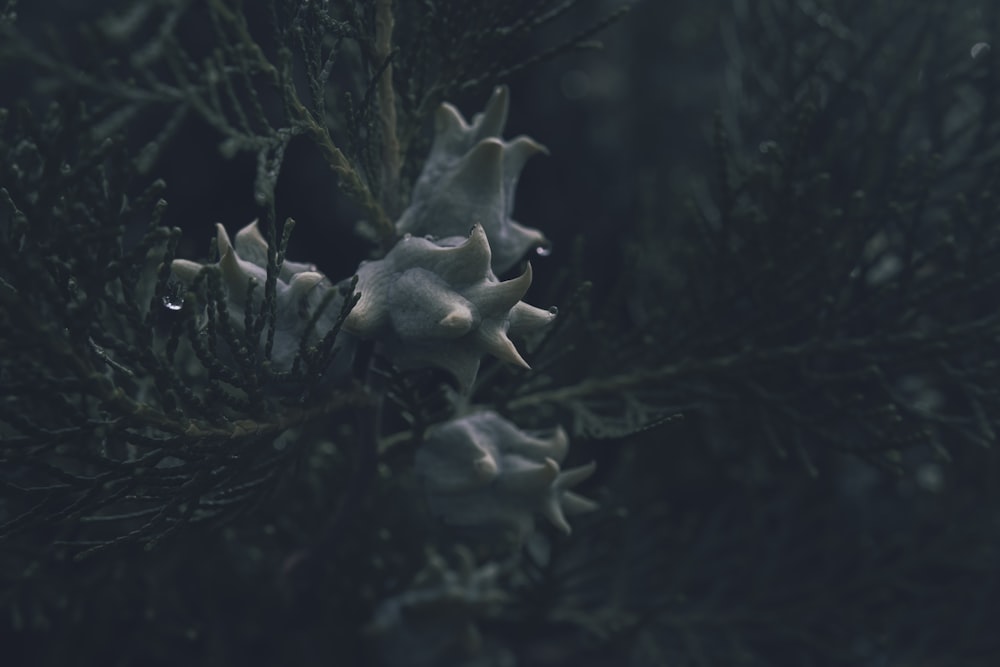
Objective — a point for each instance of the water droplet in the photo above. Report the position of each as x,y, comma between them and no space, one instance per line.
979,49
544,250
553,310
173,302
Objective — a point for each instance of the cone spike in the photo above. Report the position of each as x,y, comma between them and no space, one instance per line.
251,246
457,322
517,153
250,235
494,116
509,292
185,269
555,446
301,283
559,443
501,347
573,476
479,174
573,503
491,121
448,120
222,239
531,475
552,510
468,262
525,318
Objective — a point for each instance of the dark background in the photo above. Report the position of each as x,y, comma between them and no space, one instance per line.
713,550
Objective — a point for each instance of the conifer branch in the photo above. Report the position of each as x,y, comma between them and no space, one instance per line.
391,155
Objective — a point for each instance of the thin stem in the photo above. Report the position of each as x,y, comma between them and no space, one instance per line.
304,566
387,108
916,341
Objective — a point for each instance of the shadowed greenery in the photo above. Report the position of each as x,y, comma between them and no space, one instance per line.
785,364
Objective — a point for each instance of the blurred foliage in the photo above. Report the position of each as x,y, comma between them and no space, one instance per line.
785,362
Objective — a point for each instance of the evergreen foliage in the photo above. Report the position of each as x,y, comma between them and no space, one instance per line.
786,369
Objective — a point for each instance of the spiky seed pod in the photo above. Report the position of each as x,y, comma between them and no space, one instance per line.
470,176
297,285
482,471
438,304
